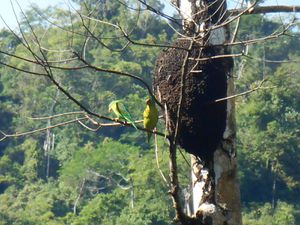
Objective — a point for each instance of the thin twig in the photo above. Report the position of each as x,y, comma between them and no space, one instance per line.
184,68
217,57
89,128
40,129
157,161
116,124
244,11
236,30
120,73
245,93
57,115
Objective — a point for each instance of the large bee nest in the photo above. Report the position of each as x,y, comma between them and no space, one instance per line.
202,121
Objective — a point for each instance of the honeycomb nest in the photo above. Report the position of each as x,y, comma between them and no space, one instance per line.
202,122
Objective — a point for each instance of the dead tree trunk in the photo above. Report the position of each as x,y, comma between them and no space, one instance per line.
191,80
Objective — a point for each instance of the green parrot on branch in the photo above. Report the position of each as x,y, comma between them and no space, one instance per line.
150,116
121,112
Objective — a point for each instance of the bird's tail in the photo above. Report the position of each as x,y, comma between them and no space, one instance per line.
130,121
133,124
149,136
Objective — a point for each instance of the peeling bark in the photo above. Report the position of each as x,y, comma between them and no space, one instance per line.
215,194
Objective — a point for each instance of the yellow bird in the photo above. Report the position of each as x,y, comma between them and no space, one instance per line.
150,116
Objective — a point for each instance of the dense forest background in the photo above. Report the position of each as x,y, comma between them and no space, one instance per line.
71,175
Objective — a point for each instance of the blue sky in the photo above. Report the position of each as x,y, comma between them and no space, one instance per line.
7,13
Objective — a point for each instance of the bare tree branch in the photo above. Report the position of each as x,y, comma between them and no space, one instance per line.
259,86
265,9
79,120
79,196
57,115
40,129
157,161
122,74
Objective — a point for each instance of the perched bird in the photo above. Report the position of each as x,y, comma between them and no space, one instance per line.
150,116
121,111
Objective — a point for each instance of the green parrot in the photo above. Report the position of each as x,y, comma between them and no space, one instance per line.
150,116
121,111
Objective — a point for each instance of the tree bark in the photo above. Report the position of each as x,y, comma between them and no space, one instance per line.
216,194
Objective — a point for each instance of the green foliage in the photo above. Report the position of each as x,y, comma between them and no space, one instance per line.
283,214
103,209
268,120
34,204
110,176
268,132
109,171
134,172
